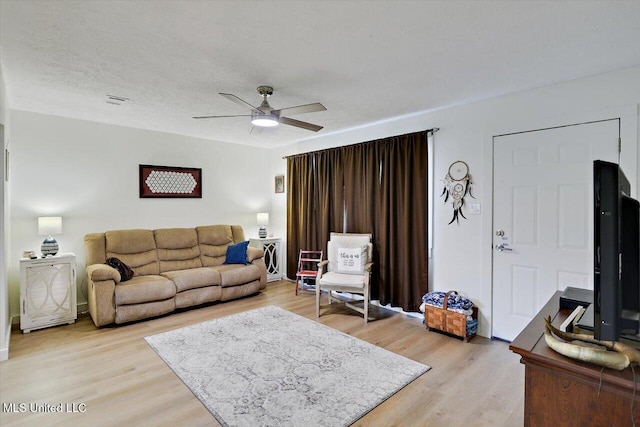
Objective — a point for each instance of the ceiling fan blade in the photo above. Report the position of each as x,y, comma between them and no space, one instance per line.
232,97
255,130
215,117
307,108
299,124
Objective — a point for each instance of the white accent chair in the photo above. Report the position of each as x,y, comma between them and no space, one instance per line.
346,269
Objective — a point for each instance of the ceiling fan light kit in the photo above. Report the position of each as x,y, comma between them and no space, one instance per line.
264,120
266,116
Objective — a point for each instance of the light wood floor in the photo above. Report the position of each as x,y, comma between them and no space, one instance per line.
122,382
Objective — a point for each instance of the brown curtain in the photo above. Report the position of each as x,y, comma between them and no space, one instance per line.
360,174
379,187
401,221
331,194
314,203
301,199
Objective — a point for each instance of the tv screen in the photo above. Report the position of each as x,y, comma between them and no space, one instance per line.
616,264
630,269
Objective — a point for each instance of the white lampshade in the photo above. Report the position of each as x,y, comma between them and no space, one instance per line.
263,218
49,225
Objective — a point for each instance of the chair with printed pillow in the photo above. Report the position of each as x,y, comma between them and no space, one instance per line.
346,269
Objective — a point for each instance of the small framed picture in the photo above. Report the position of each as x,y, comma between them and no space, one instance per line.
279,183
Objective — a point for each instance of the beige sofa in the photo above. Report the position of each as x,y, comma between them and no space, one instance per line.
173,268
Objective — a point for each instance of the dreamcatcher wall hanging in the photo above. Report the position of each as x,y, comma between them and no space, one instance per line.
457,184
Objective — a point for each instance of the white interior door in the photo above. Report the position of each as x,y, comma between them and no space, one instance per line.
543,217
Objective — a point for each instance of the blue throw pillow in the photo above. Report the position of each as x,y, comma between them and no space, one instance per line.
237,254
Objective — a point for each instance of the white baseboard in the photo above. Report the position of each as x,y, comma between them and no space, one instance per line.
358,297
4,349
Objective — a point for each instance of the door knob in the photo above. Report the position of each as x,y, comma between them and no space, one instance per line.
500,247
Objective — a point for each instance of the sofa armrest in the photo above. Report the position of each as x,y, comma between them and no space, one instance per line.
102,272
101,293
101,298
254,253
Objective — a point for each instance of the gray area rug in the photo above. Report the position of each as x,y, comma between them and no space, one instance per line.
270,367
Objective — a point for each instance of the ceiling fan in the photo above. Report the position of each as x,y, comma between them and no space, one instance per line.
266,116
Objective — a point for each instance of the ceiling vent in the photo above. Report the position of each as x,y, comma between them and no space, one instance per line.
116,100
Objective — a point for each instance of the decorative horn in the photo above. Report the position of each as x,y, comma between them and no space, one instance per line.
620,356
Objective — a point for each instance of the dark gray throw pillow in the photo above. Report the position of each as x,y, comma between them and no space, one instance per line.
126,272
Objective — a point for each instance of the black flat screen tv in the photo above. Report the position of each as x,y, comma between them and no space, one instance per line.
616,266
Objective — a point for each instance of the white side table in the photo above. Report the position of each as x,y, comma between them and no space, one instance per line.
47,291
272,253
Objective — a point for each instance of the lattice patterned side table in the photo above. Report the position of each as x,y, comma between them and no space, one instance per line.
272,253
47,291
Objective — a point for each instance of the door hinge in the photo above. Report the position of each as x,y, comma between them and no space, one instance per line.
619,145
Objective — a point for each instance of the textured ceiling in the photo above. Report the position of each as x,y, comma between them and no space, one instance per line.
365,61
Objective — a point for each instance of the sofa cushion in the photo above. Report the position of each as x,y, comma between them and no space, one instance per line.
129,241
238,233
144,289
193,278
213,241
133,312
236,274
237,253
94,249
177,249
234,292
136,248
198,296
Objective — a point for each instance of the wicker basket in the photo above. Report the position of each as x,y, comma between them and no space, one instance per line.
448,321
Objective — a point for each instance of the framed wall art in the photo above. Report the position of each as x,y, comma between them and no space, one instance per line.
279,183
170,182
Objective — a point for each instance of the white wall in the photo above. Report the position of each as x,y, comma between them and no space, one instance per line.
462,254
87,173
5,323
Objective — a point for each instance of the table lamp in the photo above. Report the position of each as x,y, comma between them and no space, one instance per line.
48,226
263,221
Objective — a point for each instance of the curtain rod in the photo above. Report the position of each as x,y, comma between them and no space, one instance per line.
431,131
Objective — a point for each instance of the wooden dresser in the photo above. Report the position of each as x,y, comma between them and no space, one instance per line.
563,392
